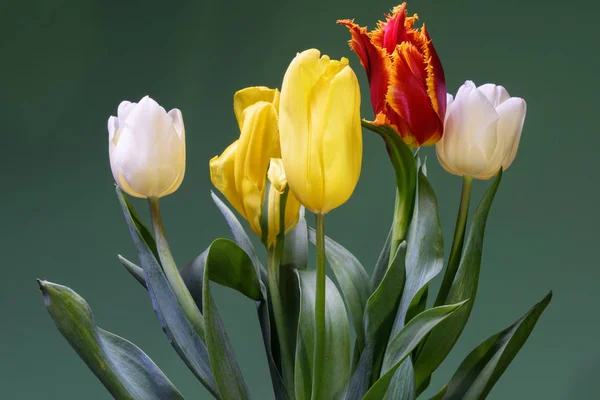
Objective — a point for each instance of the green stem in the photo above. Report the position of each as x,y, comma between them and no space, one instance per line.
319,350
400,224
457,242
287,355
172,273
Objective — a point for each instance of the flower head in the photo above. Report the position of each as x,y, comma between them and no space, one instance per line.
408,88
146,146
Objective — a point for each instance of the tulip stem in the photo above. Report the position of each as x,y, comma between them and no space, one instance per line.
287,355
185,299
457,242
400,222
319,349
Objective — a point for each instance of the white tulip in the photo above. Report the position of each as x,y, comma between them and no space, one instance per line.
481,132
147,148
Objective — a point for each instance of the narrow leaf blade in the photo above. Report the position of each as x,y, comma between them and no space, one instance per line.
442,339
354,282
405,342
337,340
482,368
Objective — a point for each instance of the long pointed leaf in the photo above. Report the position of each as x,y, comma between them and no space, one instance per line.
180,332
228,264
121,366
442,339
379,316
405,342
354,282
424,260
487,362
337,340
263,310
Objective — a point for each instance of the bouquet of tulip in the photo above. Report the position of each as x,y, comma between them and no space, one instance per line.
353,336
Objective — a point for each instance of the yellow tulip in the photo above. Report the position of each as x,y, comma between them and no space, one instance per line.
320,131
240,173
276,176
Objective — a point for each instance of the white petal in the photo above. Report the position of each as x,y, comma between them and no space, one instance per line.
124,109
113,129
512,116
495,94
177,118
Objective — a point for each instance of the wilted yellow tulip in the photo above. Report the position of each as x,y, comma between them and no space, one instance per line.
240,173
320,131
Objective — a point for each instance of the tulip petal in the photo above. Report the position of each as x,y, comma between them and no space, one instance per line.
246,97
495,94
177,119
512,117
375,62
258,138
222,176
408,97
470,132
436,80
342,152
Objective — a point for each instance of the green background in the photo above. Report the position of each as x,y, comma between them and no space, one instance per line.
66,65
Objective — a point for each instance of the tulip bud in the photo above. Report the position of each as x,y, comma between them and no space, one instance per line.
146,146
240,173
482,131
276,176
320,130
406,78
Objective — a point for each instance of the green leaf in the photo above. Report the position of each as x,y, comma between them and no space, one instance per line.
295,245
403,344
238,232
337,340
229,265
440,394
442,339
121,366
483,366
424,260
192,274
405,171
353,280
265,316
379,316
179,330
381,266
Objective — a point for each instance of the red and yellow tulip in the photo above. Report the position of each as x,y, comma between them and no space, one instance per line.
408,88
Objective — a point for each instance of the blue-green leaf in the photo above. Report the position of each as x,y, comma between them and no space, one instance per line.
179,330
424,260
228,264
404,343
337,340
354,282
262,307
483,366
295,245
442,339
121,366
238,232
379,316
383,261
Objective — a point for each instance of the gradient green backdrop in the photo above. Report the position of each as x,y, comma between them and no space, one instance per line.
67,64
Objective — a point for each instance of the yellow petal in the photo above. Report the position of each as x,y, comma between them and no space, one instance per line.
320,134
257,142
276,175
222,176
251,95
